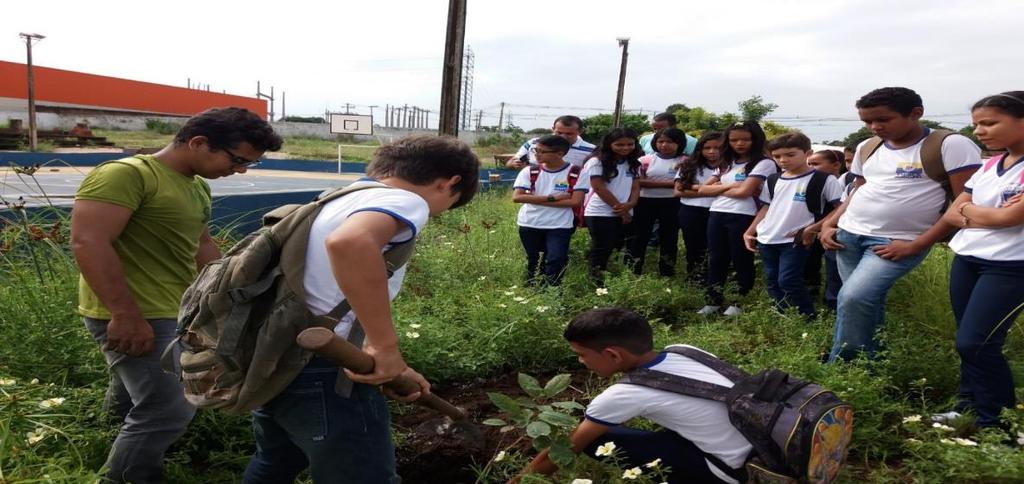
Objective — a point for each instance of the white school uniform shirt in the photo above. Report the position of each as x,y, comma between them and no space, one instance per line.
787,210
660,169
992,187
548,183
702,176
703,422
620,186
322,291
735,175
578,154
899,201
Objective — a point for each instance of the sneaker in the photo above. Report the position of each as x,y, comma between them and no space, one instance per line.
733,311
708,310
946,417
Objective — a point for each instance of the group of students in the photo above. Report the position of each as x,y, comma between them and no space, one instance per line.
138,250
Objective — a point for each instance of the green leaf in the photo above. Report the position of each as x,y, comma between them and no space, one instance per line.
561,453
558,419
542,442
505,404
557,384
495,422
530,385
537,429
569,405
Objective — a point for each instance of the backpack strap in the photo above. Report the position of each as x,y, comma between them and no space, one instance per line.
869,148
681,385
772,180
815,194
848,178
574,176
534,175
729,371
931,158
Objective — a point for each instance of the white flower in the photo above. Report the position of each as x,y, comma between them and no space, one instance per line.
500,457
652,464
493,231
52,402
803,336
601,291
541,309
35,381
503,305
913,441
668,290
510,293
582,481
1020,438
33,437
942,427
519,299
514,287
482,278
632,473
912,419
605,450
966,442
7,382
415,326
412,334
947,441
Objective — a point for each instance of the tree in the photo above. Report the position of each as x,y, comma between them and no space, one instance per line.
304,119
672,108
755,109
595,127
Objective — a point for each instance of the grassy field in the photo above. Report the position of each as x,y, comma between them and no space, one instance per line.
464,317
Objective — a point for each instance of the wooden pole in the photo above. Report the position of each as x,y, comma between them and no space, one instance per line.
451,79
624,43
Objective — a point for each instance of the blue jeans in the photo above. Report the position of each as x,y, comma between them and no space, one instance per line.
341,440
986,297
784,276
554,244
867,278
151,403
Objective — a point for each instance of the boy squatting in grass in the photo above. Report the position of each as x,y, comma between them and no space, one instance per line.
697,431
784,228
348,439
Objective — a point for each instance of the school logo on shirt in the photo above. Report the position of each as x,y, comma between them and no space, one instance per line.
561,186
907,169
740,176
800,196
1009,191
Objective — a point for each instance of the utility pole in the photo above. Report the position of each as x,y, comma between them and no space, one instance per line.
624,43
261,95
467,89
283,115
479,119
371,111
452,74
33,136
501,115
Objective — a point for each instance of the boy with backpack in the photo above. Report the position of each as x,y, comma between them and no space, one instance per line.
551,193
785,227
321,419
906,175
695,397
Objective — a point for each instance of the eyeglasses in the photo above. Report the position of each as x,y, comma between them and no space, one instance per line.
240,161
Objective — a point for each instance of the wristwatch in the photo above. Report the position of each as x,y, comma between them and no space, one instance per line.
551,198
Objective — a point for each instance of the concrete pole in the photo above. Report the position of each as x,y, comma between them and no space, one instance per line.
33,135
451,79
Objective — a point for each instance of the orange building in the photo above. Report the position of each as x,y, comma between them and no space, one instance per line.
57,88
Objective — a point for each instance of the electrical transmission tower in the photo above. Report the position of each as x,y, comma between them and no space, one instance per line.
467,89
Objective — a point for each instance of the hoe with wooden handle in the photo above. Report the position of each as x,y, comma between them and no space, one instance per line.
325,343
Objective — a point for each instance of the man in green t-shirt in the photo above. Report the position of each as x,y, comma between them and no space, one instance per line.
139,233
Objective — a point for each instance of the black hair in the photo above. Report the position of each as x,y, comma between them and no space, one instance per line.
757,142
835,156
1009,102
676,135
899,99
568,120
792,139
696,163
554,142
671,118
422,159
610,161
598,329
226,128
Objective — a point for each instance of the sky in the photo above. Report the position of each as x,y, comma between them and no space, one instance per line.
812,58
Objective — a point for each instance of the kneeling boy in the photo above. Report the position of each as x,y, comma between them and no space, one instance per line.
698,443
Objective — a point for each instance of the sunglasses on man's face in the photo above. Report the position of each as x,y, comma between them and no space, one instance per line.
240,161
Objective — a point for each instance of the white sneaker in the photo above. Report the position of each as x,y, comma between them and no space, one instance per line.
733,311
708,310
946,417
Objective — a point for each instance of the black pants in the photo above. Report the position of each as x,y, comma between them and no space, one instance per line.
725,248
694,223
606,234
635,448
812,270
664,212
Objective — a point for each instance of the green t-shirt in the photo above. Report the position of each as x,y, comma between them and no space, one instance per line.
159,243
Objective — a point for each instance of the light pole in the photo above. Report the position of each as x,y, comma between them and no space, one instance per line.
624,43
33,140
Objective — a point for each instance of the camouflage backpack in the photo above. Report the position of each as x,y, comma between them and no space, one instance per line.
239,319
799,431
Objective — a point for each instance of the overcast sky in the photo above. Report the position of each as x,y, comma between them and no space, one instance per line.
812,58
